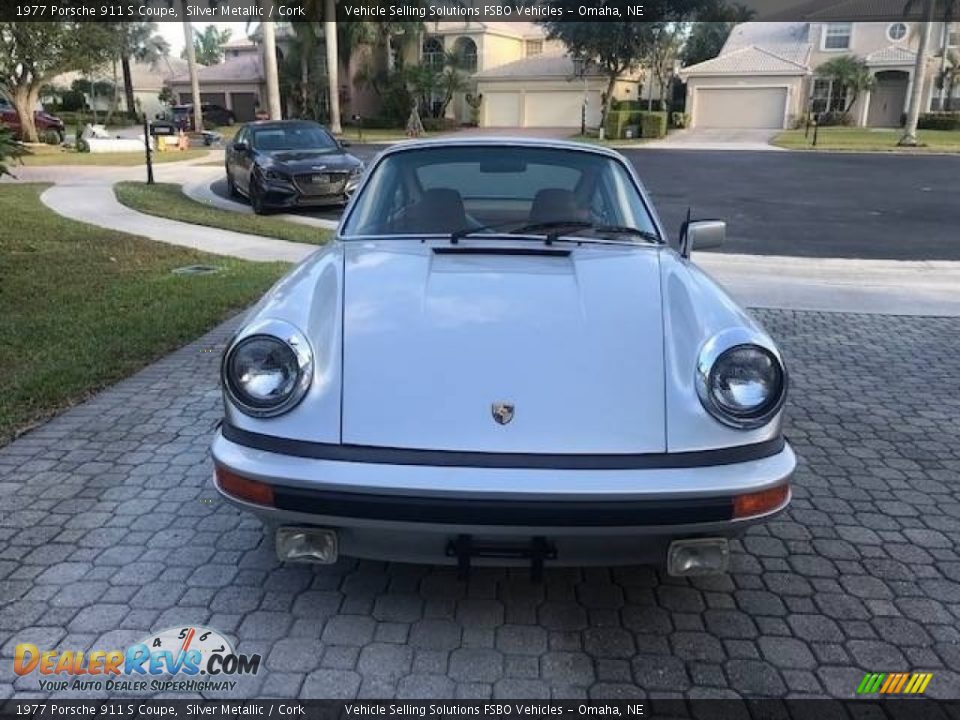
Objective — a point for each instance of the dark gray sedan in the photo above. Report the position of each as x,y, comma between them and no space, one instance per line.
288,164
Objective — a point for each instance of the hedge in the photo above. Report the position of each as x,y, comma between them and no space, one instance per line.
939,121
651,124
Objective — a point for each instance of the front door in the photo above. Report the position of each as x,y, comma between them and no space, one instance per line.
888,99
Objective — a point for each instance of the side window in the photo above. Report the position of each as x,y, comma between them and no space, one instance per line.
242,136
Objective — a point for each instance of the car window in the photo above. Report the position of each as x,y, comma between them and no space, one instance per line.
439,190
292,137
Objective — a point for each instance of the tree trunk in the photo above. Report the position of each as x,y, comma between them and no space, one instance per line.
270,70
25,100
916,95
114,98
128,87
333,80
304,85
192,64
608,100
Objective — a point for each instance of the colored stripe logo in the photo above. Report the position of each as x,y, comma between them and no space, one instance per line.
894,683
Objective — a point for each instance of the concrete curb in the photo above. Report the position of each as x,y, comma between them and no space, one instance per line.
200,191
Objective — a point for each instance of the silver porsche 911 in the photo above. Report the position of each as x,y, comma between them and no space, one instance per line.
501,359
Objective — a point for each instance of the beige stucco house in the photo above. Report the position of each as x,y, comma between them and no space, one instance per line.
765,76
147,79
522,78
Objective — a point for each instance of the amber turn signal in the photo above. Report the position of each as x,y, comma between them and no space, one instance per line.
243,488
761,503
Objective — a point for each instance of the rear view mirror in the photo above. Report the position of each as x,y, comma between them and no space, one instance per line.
701,234
503,165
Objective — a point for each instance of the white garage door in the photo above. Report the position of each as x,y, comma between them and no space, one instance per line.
502,109
740,107
560,109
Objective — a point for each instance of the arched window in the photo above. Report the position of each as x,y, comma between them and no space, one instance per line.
432,52
466,50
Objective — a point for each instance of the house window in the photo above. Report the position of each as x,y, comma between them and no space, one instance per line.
467,52
836,36
897,31
432,53
827,96
953,34
533,47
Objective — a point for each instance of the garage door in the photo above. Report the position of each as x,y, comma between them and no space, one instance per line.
740,107
560,109
502,109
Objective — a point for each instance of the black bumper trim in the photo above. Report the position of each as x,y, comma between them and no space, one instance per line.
521,513
525,461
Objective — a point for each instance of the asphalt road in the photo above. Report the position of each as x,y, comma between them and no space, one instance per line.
872,206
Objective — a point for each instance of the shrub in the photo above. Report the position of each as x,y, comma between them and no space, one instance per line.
834,117
939,121
618,120
653,124
10,149
679,120
444,123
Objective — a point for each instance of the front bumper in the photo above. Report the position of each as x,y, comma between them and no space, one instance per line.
289,195
411,512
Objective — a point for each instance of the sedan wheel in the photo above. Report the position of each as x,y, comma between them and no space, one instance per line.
256,199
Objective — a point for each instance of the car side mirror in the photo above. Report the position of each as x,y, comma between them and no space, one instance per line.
241,146
345,143
701,234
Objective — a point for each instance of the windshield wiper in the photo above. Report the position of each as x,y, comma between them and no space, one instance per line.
557,228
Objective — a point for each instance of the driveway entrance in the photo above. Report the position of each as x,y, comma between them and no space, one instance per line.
717,139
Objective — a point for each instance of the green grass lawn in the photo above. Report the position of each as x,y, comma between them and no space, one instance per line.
167,200
378,135
82,307
867,139
42,155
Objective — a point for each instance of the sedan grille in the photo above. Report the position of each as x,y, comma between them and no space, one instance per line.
321,183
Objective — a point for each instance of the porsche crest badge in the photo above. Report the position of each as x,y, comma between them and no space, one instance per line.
502,412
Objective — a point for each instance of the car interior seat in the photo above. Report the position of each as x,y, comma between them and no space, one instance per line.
555,204
439,210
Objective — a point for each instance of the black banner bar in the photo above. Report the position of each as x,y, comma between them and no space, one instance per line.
814,709
449,10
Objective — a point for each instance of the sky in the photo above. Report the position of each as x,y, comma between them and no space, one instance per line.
172,32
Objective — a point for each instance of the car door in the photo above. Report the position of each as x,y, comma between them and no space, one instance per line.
241,160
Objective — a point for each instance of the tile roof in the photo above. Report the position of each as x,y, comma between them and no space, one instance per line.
558,65
750,60
892,55
247,67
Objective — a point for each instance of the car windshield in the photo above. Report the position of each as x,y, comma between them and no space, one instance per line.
499,189
292,137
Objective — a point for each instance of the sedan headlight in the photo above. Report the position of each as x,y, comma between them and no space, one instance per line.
276,176
269,371
743,386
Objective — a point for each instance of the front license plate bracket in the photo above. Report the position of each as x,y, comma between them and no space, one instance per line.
464,548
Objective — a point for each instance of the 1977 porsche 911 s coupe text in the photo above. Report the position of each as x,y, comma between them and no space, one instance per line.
500,359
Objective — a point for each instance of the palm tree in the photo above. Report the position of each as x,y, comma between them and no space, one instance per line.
333,80
949,78
849,73
270,69
919,75
192,65
139,42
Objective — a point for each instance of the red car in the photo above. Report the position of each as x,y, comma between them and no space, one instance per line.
45,121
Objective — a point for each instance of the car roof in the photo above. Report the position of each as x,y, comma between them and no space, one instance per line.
280,123
501,141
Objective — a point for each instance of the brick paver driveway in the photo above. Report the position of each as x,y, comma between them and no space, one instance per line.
110,529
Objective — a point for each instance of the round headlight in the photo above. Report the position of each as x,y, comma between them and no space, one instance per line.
265,375
744,386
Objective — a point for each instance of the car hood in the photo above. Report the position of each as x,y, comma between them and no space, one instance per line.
435,335
312,160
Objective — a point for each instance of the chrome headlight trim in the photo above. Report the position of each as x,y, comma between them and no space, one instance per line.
282,332
710,353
